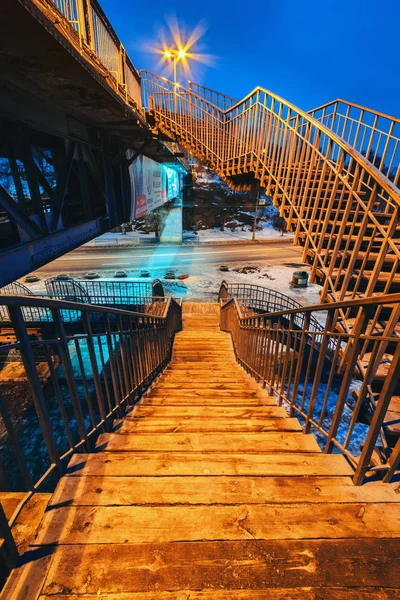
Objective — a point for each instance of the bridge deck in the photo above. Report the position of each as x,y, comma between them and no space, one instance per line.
208,488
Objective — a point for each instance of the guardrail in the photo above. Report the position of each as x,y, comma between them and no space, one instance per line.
104,292
87,28
260,299
139,296
305,168
372,133
77,383
291,362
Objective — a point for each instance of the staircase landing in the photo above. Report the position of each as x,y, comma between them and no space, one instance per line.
208,491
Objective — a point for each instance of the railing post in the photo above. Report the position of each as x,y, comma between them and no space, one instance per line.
95,370
69,374
39,401
10,551
386,394
351,357
89,24
81,19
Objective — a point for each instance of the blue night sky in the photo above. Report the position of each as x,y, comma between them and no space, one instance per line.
308,51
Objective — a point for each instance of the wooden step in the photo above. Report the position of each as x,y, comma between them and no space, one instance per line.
252,564
199,424
88,491
200,379
207,412
207,385
208,442
208,392
238,464
211,400
137,524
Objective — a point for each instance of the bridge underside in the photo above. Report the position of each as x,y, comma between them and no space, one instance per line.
64,134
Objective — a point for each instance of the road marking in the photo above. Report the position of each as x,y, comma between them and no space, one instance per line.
175,254
157,264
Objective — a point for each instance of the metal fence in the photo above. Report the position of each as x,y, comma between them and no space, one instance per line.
307,170
73,384
328,396
259,299
139,296
92,33
373,134
104,292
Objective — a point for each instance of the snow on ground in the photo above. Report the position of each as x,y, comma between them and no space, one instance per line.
213,235
203,283
216,235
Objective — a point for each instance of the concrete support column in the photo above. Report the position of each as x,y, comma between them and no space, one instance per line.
171,219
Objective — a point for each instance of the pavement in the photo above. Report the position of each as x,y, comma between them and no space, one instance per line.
278,252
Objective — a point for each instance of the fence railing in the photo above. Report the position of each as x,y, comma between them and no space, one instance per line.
104,292
306,169
69,387
292,363
221,100
259,299
139,296
88,29
373,134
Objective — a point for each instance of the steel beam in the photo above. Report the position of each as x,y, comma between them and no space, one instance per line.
20,260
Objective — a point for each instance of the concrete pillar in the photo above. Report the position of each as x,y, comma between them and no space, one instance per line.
171,218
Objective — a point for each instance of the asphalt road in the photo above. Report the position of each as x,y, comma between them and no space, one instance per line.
277,252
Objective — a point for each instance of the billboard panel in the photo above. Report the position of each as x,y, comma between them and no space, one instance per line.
172,183
150,185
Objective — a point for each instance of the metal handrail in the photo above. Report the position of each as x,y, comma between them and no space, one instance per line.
306,169
263,300
80,376
374,134
89,31
293,363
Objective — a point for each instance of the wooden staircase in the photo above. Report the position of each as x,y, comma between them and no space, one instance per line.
207,490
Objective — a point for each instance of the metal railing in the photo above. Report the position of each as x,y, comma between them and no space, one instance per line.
71,385
139,296
221,100
306,169
257,299
292,363
87,28
372,133
104,292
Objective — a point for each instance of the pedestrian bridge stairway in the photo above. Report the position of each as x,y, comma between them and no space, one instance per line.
207,490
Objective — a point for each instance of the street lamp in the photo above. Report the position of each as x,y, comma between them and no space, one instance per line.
175,55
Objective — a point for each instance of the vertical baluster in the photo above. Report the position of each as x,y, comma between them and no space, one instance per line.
39,401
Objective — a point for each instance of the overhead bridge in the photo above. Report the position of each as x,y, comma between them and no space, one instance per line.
71,122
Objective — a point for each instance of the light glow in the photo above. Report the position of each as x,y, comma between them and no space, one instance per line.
180,46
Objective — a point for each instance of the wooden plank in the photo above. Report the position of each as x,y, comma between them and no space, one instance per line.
29,519
182,424
125,491
304,593
26,581
249,564
10,502
143,524
183,410
208,442
209,378
158,390
243,386
119,464
213,400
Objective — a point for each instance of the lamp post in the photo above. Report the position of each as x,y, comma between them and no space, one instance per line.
175,55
